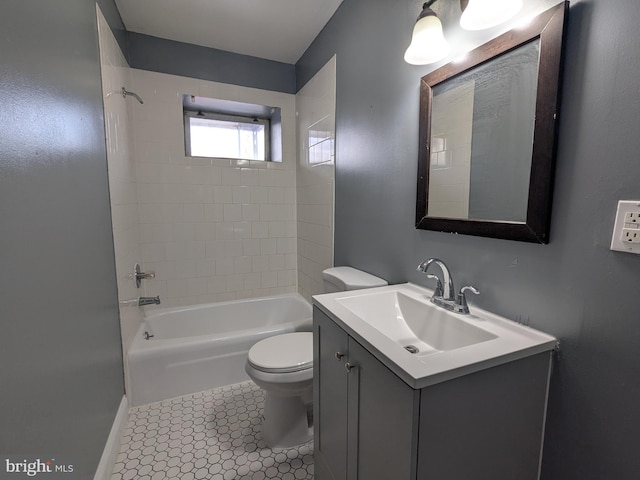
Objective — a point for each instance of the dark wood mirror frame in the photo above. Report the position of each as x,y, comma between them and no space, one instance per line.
548,27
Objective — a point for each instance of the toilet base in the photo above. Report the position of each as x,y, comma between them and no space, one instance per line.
286,423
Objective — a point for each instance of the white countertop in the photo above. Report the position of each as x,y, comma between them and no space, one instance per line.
377,331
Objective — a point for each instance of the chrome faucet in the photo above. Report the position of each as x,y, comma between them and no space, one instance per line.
142,301
448,293
461,302
139,275
444,294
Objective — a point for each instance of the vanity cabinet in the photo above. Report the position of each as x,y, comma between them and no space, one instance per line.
330,398
369,424
363,413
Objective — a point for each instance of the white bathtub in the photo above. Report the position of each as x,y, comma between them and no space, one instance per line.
205,346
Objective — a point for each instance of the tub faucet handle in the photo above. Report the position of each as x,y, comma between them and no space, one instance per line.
139,275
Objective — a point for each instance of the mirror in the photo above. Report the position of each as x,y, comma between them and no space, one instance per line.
488,135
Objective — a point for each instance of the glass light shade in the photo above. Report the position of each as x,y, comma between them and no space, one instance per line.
428,44
482,14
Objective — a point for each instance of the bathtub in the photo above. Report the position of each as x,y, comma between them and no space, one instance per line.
199,347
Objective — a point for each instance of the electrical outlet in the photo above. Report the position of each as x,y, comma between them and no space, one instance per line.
631,218
626,231
631,235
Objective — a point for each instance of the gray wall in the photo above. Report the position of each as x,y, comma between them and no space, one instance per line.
112,15
188,60
575,287
61,376
155,54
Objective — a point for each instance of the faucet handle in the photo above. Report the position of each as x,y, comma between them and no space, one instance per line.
438,290
461,301
470,288
139,275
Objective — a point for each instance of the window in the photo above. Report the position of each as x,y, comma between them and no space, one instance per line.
220,135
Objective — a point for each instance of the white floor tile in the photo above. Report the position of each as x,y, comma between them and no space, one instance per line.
213,435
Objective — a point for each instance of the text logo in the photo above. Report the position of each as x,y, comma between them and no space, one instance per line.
36,467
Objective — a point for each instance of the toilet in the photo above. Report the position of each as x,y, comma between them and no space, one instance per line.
282,366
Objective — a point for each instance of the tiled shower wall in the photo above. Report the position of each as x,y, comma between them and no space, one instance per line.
316,105
211,229
122,177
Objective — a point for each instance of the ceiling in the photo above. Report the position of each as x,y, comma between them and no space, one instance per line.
278,30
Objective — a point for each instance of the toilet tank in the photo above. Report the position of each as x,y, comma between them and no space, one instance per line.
339,279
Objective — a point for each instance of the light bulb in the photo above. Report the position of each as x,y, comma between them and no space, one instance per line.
428,44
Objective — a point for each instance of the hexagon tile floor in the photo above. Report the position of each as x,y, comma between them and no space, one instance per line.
213,435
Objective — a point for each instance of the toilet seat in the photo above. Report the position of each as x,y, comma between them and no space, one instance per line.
287,353
282,366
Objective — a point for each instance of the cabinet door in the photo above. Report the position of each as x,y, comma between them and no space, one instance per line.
330,345
383,419
486,425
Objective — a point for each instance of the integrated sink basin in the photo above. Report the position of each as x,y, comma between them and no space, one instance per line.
415,323
423,343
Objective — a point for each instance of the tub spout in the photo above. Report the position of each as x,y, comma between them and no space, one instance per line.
142,301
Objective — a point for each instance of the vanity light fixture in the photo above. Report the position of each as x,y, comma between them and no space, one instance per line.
428,44
482,14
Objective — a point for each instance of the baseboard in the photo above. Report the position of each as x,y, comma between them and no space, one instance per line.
111,449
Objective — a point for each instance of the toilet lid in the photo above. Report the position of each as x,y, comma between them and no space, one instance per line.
289,352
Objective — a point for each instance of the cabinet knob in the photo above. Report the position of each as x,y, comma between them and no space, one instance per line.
348,366
339,355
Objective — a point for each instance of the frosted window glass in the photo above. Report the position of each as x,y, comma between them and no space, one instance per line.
226,139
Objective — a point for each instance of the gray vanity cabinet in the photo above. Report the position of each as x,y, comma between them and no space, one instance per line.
330,389
364,415
372,425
